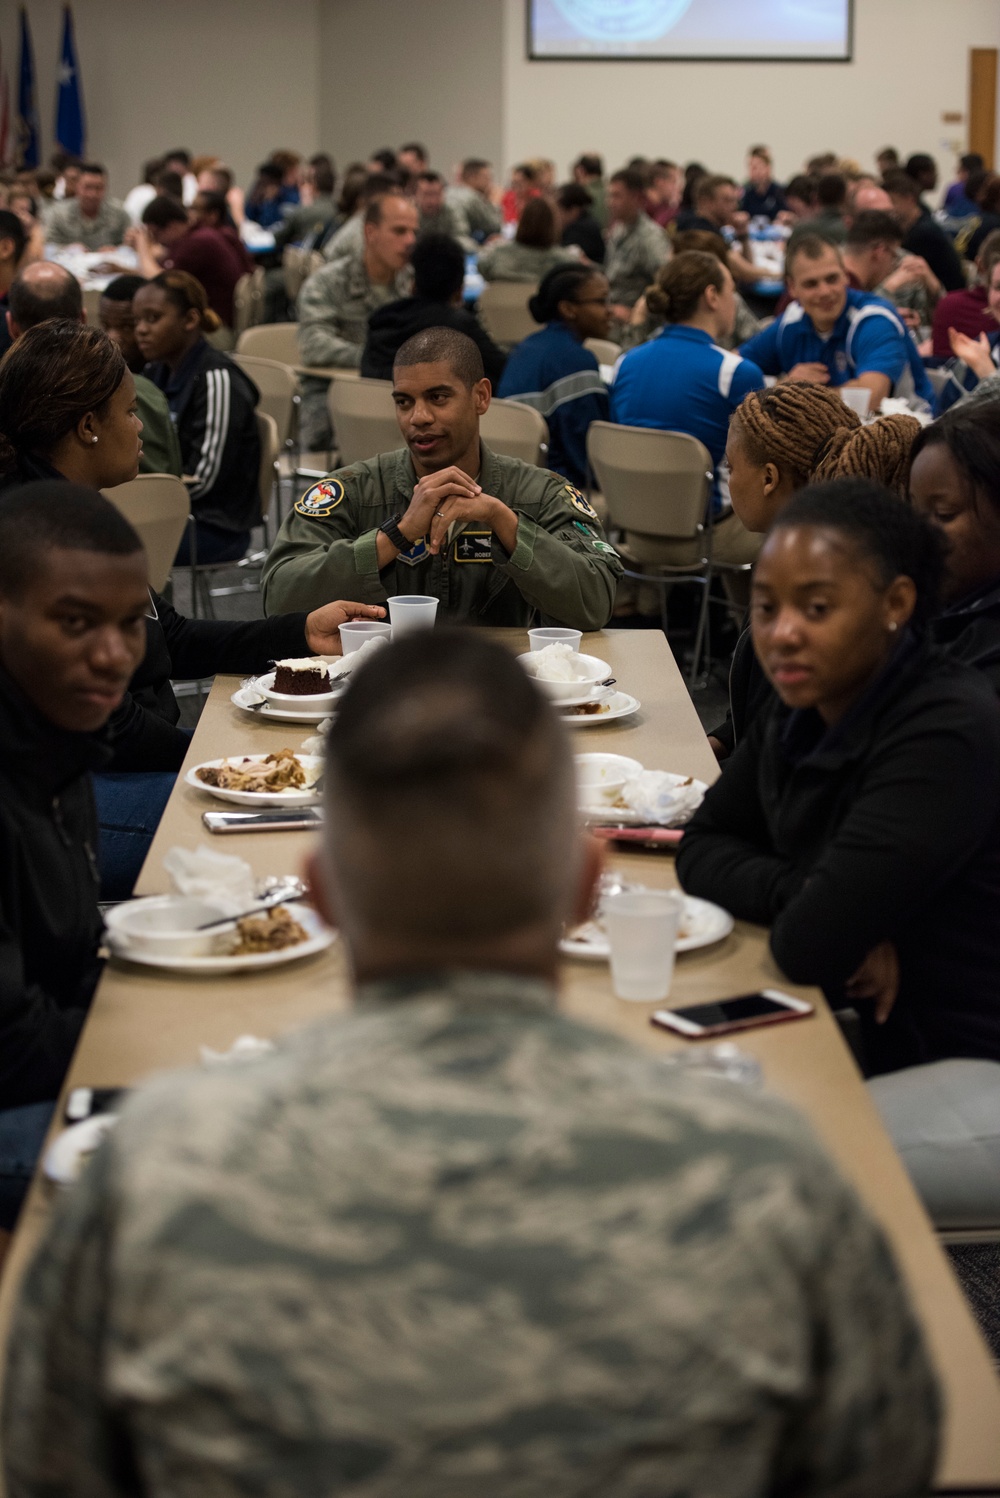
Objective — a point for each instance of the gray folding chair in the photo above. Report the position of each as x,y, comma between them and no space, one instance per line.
516,430
158,506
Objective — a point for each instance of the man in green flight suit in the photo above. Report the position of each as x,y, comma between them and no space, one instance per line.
495,540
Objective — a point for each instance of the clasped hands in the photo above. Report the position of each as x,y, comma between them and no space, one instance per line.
442,499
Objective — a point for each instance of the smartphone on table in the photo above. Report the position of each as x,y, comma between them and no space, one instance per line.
769,1006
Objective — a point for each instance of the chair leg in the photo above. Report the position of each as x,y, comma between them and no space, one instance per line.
702,639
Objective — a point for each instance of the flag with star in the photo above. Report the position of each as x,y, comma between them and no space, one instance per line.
28,130
71,128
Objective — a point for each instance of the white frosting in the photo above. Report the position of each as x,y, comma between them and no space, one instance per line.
305,663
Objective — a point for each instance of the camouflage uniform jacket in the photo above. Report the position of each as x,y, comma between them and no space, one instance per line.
453,1244
509,261
562,565
334,305
475,216
635,253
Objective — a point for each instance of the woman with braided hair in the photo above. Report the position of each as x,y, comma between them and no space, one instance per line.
780,440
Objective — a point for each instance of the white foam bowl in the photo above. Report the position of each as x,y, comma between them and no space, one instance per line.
166,924
600,777
590,669
265,686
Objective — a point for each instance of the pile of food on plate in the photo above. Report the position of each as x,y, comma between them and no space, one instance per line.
271,931
280,771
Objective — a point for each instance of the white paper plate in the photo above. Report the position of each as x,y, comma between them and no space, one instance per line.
70,1150
304,797
288,702
250,700
599,813
318,933
620,705
704,924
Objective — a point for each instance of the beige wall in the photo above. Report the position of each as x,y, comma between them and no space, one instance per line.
910,65
234,78
398,70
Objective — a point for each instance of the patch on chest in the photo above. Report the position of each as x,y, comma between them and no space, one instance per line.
474,546
416,553
321,500
579,502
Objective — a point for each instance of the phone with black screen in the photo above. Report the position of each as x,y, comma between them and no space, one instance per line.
746,1011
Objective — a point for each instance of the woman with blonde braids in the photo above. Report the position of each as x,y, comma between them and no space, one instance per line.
780,440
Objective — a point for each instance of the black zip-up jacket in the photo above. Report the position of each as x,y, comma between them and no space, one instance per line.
390,326
749,693
970,631
49,922
143,731
213,404
887,827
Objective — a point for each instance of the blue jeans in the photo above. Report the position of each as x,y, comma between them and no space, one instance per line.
214,545
22,1134
129,808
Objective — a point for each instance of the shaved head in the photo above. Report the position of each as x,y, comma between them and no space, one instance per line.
443,346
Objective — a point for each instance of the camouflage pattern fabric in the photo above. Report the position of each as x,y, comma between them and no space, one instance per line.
635,253
451,1245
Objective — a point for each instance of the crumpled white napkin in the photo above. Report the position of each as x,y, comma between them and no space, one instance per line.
895,405
226,881
243,1048
663,798
343,665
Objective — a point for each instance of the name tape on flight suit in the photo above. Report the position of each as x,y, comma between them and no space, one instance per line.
474,546
321,500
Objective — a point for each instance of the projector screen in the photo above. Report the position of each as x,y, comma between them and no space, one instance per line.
707,30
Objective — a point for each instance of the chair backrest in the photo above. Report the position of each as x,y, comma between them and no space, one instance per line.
603,350
503,308
272,340
270,447
363,417
158,505
92,305
293,265
248,300
516,430
655,483
278,388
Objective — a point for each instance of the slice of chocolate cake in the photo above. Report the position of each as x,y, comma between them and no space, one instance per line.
301,678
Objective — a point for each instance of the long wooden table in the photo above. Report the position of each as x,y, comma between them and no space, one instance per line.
143,1021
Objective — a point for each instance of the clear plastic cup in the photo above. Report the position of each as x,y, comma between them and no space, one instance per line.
858,398
554,634
411,612
356,632
642,932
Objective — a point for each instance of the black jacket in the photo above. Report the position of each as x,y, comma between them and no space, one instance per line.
389,327
970,631
49,922
749,692
885,828
213,404
143,731
586,232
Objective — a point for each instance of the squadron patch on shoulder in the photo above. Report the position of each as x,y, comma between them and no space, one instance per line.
321,500
577,500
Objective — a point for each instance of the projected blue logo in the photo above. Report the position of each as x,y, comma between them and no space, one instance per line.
622,20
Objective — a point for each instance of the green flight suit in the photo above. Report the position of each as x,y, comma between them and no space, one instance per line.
562,566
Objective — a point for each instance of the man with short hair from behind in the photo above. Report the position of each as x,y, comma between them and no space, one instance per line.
453,1240
921,235
830,334
494,539
161,451
636,246
336,301
91,218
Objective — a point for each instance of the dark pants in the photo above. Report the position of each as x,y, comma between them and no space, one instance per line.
214,545
129,808
22,1134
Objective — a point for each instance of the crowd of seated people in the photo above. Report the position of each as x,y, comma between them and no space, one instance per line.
857,817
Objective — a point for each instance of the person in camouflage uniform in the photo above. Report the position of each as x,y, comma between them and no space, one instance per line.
476,216
636,246
492,538
455,1243
336,299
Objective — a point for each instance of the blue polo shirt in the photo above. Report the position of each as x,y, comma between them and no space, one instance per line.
680,381
867,337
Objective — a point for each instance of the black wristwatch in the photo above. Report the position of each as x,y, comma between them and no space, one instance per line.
391,529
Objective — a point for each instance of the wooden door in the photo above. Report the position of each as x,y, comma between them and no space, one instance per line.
983,102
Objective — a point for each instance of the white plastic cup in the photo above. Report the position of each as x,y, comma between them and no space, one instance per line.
554,634
858,398
411,612
356,632
642,932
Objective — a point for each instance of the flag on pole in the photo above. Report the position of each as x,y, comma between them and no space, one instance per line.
71,127
6,152
28,131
